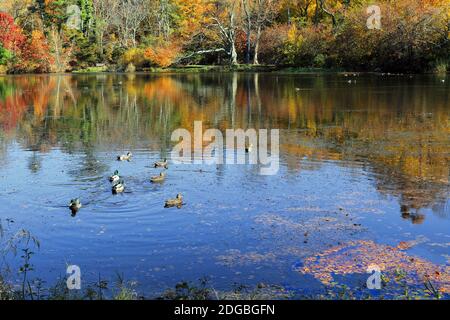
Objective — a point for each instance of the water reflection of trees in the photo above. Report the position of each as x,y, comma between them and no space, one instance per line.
398,127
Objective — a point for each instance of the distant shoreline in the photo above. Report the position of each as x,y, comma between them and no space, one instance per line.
242,68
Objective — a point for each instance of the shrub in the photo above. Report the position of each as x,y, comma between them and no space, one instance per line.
271,43
162,56
308,45
131,68
134,56
441,67
319,60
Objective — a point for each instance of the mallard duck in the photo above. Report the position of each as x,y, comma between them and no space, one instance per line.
115,177
160,178
162,164
249,147
126,157
177,202
118,187
75,205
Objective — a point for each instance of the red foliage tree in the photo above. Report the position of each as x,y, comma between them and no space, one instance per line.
11,36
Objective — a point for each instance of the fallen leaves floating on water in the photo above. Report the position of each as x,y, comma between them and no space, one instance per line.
354,257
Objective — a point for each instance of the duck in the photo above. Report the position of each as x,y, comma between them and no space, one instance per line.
248,148
75,205
115,177
160,178
118,187
126,157
177,202
162,164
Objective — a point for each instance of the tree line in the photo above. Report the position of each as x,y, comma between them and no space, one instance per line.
129,35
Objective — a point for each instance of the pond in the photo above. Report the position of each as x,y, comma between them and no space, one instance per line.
364,164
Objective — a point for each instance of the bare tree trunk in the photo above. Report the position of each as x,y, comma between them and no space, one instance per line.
258,38
233,52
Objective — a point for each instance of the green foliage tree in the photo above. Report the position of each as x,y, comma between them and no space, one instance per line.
5,55
86,50
87,16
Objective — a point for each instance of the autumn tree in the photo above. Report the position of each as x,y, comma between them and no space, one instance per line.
192,16
11,36
35,55
18,9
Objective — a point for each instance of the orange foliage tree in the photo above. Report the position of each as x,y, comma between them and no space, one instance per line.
35,54
163,55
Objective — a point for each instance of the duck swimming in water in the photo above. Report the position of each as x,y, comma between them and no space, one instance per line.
162,164
115,177
75,205
177,202
160,178
118,187
248,148
126,157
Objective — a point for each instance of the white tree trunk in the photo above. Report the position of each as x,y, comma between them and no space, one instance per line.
258,38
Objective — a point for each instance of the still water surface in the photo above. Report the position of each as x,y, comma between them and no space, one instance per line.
361,161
